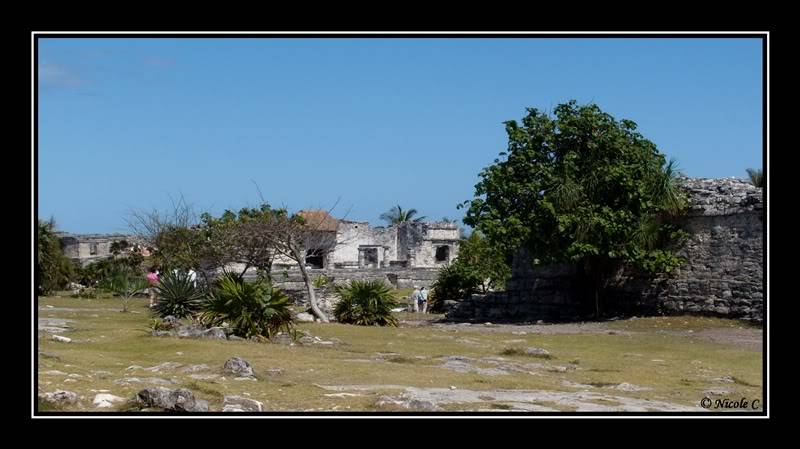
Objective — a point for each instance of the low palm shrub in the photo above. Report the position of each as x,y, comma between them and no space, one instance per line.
367,303
250,309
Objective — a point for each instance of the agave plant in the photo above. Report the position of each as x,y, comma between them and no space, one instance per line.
322,281
756,177
250,309
368,303
125,283
177,296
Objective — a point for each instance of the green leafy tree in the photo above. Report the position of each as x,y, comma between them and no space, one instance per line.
756,177
489,264
118,246
241,238
54,270
584,188
366,303
454,282
178,247
292,236
397,215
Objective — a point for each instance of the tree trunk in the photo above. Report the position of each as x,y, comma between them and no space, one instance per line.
597,300
594,272
312,298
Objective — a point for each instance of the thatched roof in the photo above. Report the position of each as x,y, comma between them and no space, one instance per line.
319,220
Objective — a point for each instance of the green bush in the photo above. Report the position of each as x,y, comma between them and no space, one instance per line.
99,271
177,296
488,263
250,309
455,282
367,303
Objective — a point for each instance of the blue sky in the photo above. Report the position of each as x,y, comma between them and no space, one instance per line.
127,124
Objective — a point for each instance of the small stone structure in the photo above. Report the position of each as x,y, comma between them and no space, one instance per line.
84,249
357,245
723,274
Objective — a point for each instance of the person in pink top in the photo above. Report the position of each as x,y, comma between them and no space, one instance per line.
152,277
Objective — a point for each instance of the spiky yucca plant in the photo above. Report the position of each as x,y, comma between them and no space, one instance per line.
177,296
756,177
251,309
367,303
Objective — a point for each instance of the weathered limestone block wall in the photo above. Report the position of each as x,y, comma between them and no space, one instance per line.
397,277
547,293
409,237
418,242
353,235
79,247
291,281
723,274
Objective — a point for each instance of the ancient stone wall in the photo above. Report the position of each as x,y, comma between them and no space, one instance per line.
420,242
292,283
87,248
724,270
397,277
723,274
353,237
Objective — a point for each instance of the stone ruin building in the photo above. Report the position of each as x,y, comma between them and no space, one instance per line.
405,254
84,249
723,274
359,246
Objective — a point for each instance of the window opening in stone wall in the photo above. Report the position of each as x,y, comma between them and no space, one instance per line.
369,258
442,253
93,249
315,258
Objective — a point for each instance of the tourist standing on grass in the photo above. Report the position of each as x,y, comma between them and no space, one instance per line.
415,299
423,300
152,278
193,277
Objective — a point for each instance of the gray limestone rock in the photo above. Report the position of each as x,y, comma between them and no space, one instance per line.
180,400
239,367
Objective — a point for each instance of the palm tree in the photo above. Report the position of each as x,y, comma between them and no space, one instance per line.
54,269
756,176
397,215
126,283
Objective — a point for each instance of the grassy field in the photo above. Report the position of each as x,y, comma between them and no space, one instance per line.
624,365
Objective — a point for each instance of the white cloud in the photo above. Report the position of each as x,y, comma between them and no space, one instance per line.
59,76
